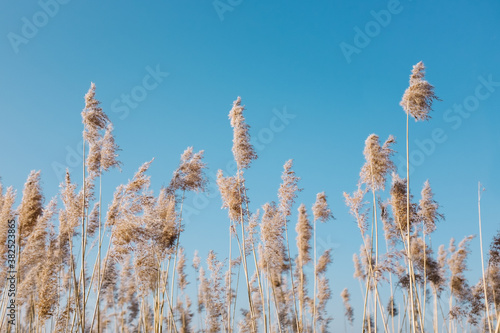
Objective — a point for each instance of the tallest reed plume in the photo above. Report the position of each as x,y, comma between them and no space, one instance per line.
419,96
417,101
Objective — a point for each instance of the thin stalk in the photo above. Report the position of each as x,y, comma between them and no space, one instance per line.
381,310
301,293
236,294
261,291
315,280
425,278
482,258
366,299
392,291
376,243
83,242
246,276
164,284
242,220
276,304
100,285
99,256
450,305
434,291
291,277
176,253
408,214
73,270
230,289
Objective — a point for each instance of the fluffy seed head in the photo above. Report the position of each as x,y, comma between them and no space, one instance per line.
190,175
399,203
31,205
418,98
288,189
349,312
428,209
231,189
378,162
303,229
323,262
321,211
243,150
109,150
357,208
93,118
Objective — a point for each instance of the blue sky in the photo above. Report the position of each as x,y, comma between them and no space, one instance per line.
285,59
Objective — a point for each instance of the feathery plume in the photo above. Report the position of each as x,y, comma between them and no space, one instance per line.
378,162
31,206
243,150
202,290
392,310
35,252
323,262
359,273
190,175
321,211
93,220
124,213
399,204
95,121
108,156
272,229
196,261
324,295
349,312
419,96
428,209
251,229
214,303
495,250
391,231
94,159
109,276
146,268
458,265
181,268
304,235
425,263
357,208
167,228
93,118
69,216
230,189
47,288
288,189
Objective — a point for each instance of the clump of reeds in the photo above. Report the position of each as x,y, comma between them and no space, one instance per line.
82,269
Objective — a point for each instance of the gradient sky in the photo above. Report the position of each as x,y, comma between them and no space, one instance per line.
283,58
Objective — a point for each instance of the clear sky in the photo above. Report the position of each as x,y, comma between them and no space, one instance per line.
317,77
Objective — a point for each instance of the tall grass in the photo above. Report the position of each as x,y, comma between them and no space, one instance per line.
123,269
